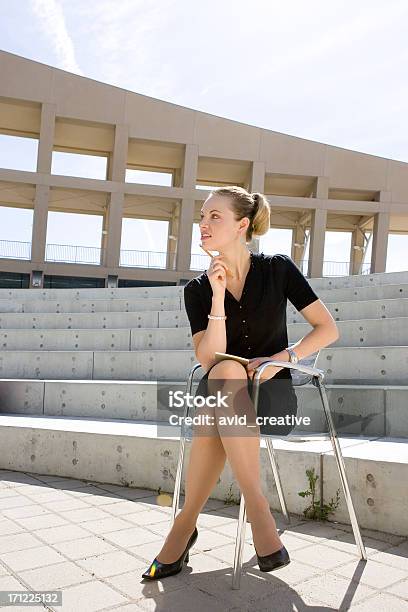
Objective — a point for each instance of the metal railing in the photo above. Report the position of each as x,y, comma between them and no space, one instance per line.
68,253
330,268
13,249
143,259
73,254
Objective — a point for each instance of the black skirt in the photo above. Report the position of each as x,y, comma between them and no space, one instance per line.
276,398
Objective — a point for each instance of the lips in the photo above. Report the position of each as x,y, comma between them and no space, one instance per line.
205,236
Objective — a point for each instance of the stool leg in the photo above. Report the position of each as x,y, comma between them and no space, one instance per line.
276,475
239,545
177,482
271,453
342,470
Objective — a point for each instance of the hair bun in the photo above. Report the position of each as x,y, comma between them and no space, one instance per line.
255,198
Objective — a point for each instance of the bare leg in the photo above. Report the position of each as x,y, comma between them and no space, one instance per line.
206,462
242,447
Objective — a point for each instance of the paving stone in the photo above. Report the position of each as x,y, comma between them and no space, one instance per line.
253,587
42,521
17,501
185,599
90,596
122,508
18,541
321,556
30,558
135,587
56,576
212,520
383,602
162,529
226,553
63,533
83,548
372,573
68,504
208,540
315,531
110,564
201,565
84,514
396,556
346,542
8,527
292,574
148,517
399,588
106,525
334,591
131,537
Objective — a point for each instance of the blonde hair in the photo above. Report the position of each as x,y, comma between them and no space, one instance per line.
255,206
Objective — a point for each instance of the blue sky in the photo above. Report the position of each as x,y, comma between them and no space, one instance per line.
331,72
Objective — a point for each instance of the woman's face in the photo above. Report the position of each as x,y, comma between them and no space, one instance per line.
217,221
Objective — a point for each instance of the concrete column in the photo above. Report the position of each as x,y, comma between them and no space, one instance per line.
256,184
356,255
39,232
171,243
298,238
190,166
184,238
321,189
380,242
186,216
118,159
113,225
46,142
317,236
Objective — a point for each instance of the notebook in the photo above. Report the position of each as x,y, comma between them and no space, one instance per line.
221,356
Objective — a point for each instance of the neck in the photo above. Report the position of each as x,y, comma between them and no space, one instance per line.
237,260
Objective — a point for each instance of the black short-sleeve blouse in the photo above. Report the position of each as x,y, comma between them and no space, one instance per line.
256,325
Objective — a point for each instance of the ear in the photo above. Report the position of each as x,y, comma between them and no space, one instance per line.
244,224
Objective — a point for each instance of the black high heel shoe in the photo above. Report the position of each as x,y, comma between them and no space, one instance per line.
158,570
279,558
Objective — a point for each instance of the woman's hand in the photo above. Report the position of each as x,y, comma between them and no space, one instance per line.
217,275
270,371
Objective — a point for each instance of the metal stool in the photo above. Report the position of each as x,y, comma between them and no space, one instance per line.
317,380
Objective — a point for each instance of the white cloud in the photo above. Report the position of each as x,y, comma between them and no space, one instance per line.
52,21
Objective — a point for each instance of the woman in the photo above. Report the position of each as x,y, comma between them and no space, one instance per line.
239,307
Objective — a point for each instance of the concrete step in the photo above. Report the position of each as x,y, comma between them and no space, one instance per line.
323,283
341,311
66,305
360,280
97,305
365,332
357,409
139,454
120,293
341,365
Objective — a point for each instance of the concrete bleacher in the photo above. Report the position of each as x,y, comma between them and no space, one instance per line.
78,391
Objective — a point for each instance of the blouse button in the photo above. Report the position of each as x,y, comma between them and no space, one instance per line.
243,320
245,336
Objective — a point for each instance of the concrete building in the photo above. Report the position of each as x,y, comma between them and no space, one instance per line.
312,187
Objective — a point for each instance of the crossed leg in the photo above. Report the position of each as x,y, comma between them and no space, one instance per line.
207,459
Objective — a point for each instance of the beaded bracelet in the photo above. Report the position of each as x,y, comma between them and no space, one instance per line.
218,318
